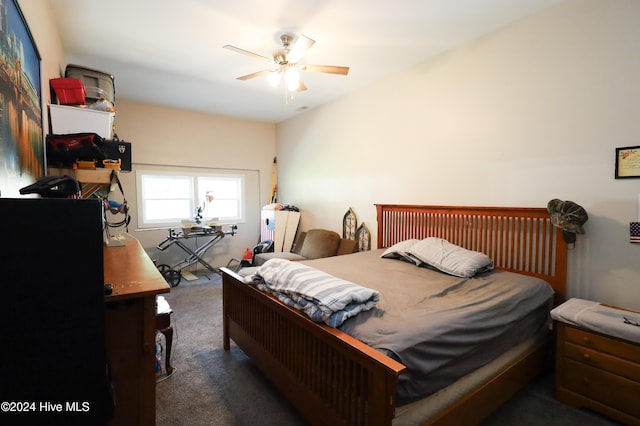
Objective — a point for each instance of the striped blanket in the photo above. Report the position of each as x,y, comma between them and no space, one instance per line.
322,297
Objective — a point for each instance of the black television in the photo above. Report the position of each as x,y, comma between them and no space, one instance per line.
53,362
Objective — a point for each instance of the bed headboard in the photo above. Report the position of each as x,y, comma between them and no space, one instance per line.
518,239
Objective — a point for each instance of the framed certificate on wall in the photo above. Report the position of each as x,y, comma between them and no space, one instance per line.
627,162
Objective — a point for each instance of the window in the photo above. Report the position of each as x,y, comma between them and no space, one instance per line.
166,198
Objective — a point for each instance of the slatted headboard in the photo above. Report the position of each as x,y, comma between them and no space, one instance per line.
518,239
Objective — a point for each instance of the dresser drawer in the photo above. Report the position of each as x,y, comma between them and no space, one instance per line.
603,361
610,389
610,345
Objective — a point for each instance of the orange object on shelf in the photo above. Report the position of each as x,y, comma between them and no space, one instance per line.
112,164
85,164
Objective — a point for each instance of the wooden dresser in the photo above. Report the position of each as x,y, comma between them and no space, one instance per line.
598,372
130,315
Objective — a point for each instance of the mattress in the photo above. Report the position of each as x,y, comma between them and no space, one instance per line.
428,408
439,326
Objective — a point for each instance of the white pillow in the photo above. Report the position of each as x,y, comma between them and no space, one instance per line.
400,251
450,258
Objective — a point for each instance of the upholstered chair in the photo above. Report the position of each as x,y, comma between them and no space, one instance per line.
313,244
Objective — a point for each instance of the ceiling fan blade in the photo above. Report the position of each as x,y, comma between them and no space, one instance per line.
246,52
329,69
299,48
301,87
253,75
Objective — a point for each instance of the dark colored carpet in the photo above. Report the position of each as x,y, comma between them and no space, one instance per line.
212,386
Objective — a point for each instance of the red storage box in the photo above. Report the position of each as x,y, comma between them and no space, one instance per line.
69,91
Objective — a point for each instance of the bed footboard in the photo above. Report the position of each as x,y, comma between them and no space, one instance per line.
327,375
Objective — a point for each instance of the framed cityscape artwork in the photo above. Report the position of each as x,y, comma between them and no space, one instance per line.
22,158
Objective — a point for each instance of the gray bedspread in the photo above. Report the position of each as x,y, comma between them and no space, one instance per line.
439,326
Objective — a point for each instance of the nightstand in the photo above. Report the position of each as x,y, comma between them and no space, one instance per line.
598,359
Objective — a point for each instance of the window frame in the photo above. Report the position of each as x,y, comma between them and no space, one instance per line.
193,176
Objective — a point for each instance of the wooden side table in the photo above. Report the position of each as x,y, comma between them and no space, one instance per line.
163,325
598,371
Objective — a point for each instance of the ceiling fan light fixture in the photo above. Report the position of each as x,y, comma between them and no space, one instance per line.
293,79
274,78
293,85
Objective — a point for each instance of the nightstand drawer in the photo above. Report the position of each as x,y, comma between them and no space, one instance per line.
603,361
610,389
613,346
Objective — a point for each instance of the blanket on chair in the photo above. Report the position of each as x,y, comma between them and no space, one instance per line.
322,297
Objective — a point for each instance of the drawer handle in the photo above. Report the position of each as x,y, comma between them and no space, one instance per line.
586,357
585,381
586,340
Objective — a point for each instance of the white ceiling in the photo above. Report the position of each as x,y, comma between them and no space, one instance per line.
169,52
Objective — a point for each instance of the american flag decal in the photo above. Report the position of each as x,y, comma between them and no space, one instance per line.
634,232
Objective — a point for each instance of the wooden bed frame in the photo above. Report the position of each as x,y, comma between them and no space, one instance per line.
332,378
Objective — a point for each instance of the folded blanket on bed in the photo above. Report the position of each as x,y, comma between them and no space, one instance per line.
322,297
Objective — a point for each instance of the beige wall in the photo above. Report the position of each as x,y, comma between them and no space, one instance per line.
529,113
172,139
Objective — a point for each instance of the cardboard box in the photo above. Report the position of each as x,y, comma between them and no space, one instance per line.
68,119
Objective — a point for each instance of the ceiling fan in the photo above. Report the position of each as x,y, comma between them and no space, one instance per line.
286,63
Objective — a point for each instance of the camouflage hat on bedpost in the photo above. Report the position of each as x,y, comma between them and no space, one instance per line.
568,216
